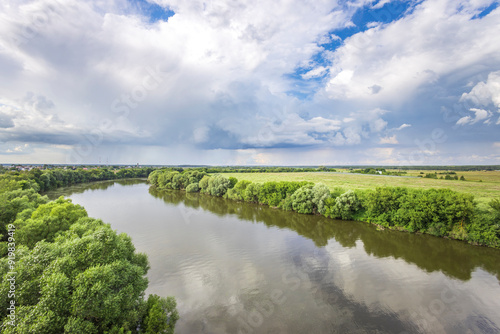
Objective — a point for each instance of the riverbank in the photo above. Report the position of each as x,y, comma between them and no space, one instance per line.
61,268
484,185
439,212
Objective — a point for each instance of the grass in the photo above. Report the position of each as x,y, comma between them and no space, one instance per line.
483,191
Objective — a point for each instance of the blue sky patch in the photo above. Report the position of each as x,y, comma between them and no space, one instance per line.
388,13
153,11
486,10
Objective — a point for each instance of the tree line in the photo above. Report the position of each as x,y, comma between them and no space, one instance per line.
440,212
63,272
377,171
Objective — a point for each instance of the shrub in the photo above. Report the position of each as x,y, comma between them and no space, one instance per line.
302,200
203,184
160,316
251,193
232,182
237,192
218,185
320,194
346,205
382,204
274,193
193,188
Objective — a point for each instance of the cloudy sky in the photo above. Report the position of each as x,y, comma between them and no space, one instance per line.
250,82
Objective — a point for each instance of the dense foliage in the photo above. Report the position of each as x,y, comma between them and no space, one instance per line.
64,272
269,169
378,171
440,212
49,179
448,176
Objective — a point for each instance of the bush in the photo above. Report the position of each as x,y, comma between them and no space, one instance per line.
238,191
193,188
287,203
164,180
346,205
153,177
251,193
232,182
274,193
320,194
302,200
485,229
218,185
434,211
203,184
160,316
382,204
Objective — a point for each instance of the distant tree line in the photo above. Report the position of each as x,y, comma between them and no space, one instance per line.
49,179
448,176
440,212
379,171
449,168
242,169
63,272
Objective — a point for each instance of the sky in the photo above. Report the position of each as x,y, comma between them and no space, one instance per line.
285,82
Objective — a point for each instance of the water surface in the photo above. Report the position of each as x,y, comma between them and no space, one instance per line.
238,267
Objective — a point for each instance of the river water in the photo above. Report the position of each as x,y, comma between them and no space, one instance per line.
244,268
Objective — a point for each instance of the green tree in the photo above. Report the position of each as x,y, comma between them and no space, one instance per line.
203,184
320,194
251,193
346,205
232,182
302,200
193,188
218,185
238,191
47,220
89,280
161,315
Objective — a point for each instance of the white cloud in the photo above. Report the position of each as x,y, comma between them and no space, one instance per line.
443,38
216,75
85,56
403,126
485,93
381,4
480,114
464,120
389,140
378,125
315,73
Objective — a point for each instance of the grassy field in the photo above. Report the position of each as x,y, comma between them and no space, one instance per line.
483,191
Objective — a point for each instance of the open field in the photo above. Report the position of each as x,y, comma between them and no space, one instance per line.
483,191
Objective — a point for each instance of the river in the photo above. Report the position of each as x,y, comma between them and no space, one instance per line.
244,268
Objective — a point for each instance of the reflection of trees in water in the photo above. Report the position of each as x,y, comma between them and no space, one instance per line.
453,258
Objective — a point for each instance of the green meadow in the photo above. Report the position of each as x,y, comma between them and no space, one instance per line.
484,185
